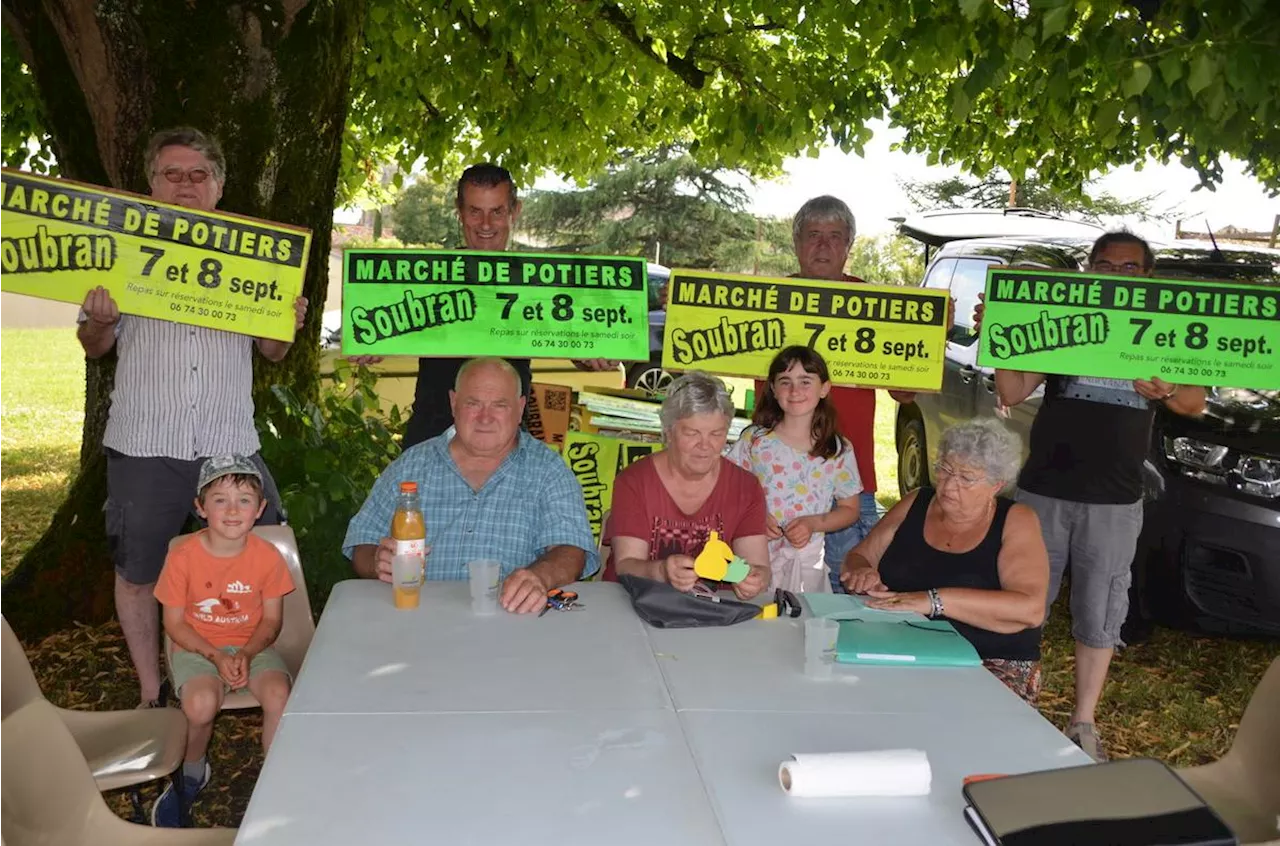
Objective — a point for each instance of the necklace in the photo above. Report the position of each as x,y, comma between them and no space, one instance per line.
984,522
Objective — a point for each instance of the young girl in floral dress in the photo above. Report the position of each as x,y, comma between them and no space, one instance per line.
795,450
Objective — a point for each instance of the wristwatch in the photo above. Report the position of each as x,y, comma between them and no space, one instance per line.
935,602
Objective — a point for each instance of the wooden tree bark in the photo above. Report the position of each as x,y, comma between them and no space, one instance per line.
271,80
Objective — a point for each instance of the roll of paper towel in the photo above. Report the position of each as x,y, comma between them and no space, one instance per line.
888,772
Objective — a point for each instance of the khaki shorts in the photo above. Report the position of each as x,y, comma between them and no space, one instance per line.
1098,543
186,666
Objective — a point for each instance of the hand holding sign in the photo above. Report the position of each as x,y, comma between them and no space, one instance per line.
299,313
100,308
1157,390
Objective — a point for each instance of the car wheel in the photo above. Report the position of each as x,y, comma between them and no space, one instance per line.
913,457
649,377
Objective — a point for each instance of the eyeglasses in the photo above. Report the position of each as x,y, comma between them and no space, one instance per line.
946,471
1105,266
176,174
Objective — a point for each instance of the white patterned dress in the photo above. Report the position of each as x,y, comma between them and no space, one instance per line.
795,485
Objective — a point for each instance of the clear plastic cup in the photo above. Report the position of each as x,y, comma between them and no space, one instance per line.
820,647
484,575
406,580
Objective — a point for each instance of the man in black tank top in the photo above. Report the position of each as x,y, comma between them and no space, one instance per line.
1083,477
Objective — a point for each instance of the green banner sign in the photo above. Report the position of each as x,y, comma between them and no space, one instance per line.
1188,332
448,303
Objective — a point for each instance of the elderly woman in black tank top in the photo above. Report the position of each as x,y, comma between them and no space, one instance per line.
962,552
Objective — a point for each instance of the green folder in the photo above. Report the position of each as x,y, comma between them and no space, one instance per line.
907,643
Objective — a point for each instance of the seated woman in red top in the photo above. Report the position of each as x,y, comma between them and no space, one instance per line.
666,505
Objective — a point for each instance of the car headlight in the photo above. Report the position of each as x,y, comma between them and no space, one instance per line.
1216,464
1259,476
1201,455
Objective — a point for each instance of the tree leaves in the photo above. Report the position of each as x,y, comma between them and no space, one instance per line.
694,211
1054,21
1203,69
424,215
577,86
1138,79
1171,68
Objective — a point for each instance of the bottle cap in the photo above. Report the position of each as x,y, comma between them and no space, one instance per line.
408,487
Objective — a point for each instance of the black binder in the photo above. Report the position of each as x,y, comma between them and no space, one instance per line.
1133,802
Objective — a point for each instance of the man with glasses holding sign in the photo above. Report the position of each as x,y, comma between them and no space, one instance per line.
182,394
1083,477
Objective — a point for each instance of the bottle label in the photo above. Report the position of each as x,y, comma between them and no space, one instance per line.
416,547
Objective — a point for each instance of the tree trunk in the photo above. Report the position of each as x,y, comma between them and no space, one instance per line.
271,80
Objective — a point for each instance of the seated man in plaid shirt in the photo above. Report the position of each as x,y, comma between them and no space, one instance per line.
489,490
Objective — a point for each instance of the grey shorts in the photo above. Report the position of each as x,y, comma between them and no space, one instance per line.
148,503
1097,542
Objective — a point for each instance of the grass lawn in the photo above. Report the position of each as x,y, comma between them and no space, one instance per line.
41,415
1177,697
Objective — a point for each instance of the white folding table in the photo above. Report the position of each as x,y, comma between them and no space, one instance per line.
588,726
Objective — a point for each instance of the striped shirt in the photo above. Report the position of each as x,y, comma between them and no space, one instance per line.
181,391
531,502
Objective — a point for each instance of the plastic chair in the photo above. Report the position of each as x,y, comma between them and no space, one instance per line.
298,628
121,748
19,683
49,795
1243,786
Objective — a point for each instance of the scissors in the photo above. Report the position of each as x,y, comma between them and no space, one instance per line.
561,600
701,590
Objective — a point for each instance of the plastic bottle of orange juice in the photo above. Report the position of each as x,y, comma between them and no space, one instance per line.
409,531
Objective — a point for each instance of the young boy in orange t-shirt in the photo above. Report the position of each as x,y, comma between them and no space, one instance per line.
222,590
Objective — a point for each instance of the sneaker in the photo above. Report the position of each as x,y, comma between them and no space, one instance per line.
167,810
1085,735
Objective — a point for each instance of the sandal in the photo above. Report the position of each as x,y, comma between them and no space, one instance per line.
1085,735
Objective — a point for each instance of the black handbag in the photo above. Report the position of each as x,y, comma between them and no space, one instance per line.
663,607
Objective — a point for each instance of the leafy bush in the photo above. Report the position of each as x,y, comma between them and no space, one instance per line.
424,215
361,241
325,456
